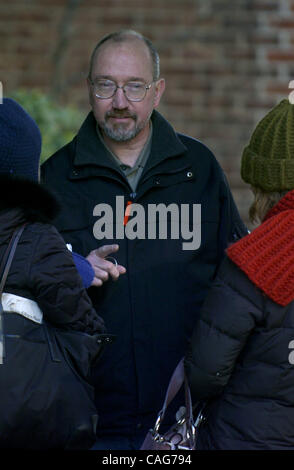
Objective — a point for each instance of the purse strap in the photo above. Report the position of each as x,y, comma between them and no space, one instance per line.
4,270
175,383
178,378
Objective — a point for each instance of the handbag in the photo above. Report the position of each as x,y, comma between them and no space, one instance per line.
183,434
47,400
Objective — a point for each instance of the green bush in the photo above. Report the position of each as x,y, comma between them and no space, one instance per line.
58,124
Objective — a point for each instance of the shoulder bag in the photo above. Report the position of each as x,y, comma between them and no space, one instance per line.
183,434
47,400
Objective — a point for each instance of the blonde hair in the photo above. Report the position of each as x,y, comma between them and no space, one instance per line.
263,202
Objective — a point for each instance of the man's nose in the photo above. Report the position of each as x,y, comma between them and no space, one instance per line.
119,99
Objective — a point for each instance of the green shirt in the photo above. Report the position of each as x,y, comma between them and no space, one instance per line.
132,173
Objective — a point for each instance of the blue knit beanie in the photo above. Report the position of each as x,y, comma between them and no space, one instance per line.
20,142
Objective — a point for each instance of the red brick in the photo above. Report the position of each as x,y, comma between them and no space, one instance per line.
266,104
281,56
287,23
197,52
260,38
265,5
279,88
241,53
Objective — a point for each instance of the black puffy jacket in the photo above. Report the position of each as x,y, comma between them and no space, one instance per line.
240,361
43,269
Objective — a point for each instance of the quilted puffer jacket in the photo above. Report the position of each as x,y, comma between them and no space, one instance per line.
43,269
240,360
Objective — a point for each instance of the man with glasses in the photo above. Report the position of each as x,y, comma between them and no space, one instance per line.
127,151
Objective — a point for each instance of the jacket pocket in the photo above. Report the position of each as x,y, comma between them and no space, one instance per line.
176,177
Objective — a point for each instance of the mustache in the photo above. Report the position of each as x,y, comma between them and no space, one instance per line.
123,114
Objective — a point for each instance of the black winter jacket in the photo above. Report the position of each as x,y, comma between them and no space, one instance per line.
43,269
153,307
239,361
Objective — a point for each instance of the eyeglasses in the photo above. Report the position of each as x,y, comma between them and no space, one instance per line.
134,91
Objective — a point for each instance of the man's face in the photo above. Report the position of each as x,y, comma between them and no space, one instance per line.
122,120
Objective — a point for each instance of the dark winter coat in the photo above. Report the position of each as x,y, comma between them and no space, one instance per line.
43,269
153,307
240,358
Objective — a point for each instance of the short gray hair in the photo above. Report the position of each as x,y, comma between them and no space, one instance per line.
125,35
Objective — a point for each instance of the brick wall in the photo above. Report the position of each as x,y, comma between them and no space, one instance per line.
226,62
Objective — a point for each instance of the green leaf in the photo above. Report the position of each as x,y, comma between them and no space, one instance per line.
58,124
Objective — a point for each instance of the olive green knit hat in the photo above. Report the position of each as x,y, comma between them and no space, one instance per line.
268,160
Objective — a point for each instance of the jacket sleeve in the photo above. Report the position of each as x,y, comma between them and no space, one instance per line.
58,287
227,318
84,268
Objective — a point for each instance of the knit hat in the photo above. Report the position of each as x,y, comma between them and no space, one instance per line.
20,142
268,160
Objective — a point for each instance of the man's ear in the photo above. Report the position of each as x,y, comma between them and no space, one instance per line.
159,89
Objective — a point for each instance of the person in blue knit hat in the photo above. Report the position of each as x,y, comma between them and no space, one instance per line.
43,281
20,142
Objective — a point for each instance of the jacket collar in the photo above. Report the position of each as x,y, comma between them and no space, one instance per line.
90,151
266,255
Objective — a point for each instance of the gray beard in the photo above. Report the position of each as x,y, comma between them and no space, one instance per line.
119,134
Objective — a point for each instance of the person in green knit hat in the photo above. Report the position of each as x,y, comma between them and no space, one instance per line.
240,360
268,160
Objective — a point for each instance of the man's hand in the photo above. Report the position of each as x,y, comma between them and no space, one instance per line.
102,267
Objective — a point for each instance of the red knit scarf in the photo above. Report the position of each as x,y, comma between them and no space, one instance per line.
266,255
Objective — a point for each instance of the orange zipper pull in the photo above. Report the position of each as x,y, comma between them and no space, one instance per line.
127,212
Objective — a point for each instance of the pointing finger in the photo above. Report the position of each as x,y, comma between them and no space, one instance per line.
106,250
